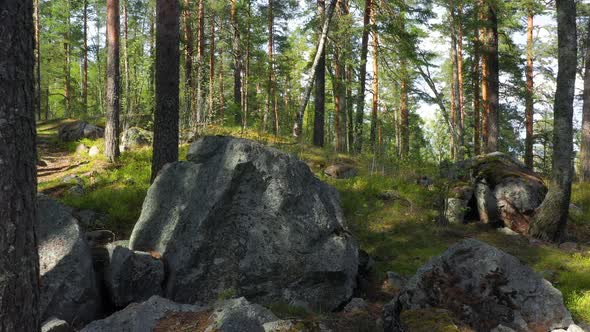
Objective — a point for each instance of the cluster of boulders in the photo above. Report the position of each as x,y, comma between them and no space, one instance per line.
240,226
495,189
236,218
136,137
78,130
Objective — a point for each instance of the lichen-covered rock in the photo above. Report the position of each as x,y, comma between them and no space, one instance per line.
56,325
242,216
78,130
483,288
136,137
141,317
340,171
68,285
132,276
457,203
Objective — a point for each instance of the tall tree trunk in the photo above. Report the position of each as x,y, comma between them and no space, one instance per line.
67,75
492,82
551,218
320,89
349,108
475,74
85,51
484,75
200,102
189,82
19,262
529,112
585,141
457,110
270,96
152,46
375,104
237,59
339,100
360,106
404,115
298,126
37,97
246,83
167,85
128,112
221,88
211,66
111,136
459,27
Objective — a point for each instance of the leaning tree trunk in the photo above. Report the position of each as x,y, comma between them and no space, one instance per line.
360,106
551,219
585,144
167,85
320,90
19,262
111,136
529,112
298,126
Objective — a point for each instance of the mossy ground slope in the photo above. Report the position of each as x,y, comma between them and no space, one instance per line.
400,231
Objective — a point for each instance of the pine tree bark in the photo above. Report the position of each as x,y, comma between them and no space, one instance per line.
237,59
319,121
19,262
484,75
189,81
167,85
85,55
270,83
585,139
200,96
67,75
339,101
475,78
111,136
211,66
404,117
360,106
298,126
126,64
551,218
38,59
349,108
529,112
246,83
492,80
375,103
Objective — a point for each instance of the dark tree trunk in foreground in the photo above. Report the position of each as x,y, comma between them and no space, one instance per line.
167,85
585,144
551,219
320,90
529,112
111,135
19,263
360,106
298,126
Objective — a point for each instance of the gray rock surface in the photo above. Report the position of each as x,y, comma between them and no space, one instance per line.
68,286
132,276
141,317
243,217
78,130
355,305
482,287
239,315
457,204
56,325
94,151
135,137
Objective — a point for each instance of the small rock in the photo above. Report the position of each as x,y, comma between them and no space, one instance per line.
355,305
82,149
424,181
132,276
94,151
395,281
239,315
41,163
340,171
575,328
507,231
502,328
76,190
73,179
99,238
390,195
56,325
90,220
569,246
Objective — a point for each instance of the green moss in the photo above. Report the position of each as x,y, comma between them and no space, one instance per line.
286,311
428,320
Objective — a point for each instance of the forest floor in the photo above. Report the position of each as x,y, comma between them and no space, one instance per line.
400,231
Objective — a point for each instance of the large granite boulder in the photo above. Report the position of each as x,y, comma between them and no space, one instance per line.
69,289
505,192
78,130
136,137
241,217
239,315
482,287
132,276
